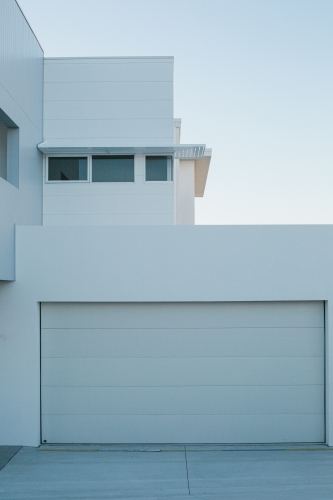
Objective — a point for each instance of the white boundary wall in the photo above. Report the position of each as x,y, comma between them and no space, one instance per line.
149,264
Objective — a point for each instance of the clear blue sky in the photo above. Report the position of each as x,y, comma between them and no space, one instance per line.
253,80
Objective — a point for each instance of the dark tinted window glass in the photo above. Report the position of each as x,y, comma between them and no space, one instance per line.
158,168
113,168
68,169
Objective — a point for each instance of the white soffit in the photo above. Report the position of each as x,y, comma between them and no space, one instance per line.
201,167
180,151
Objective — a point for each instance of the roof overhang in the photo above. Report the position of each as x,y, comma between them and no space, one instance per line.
179,151
201,167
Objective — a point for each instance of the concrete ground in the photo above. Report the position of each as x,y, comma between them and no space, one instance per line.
7,453
175,472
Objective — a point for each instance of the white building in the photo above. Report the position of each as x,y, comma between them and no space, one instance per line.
121,321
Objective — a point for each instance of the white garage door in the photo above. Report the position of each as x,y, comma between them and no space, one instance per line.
183,373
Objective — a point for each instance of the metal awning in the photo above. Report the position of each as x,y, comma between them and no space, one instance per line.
179,151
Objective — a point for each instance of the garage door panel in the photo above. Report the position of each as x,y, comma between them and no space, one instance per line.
183,315
164,342
196,373
181,371
182,428
218,400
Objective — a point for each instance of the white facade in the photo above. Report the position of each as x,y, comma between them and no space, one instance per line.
107,203
115,105
157,265
116,101
125,322
21,109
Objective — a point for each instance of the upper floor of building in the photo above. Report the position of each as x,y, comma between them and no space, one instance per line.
112,152
88,141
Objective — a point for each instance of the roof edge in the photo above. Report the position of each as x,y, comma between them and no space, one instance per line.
26,20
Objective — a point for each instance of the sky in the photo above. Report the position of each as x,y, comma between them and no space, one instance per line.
253,81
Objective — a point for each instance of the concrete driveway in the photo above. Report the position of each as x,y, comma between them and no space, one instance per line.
175,472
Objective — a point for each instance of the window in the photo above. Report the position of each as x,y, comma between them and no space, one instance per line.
113,169
158,168
106,168
68,169
9,149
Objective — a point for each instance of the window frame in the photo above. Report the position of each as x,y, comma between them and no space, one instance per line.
170,171
89,169
47,181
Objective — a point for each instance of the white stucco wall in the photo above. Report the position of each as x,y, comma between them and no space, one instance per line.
108,101
149,264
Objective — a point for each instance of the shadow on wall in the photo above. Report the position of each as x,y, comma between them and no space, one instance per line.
9,149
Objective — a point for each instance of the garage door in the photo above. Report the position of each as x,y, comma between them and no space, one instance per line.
183,372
